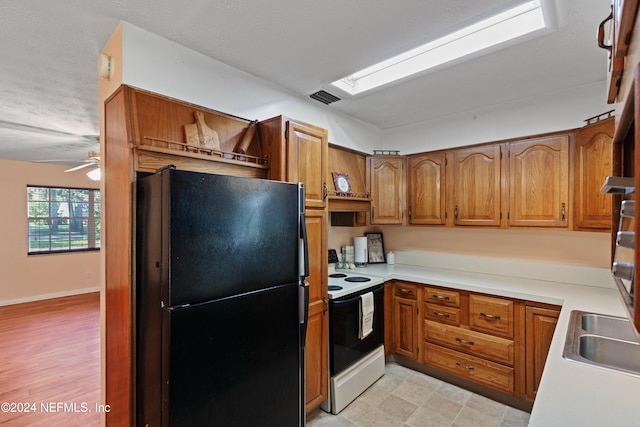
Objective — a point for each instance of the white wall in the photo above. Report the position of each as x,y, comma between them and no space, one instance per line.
34,277
548,112
162,66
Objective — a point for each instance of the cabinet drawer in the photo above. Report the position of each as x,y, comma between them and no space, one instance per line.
442,297
442,314
484,372
405,290
478,344
491,315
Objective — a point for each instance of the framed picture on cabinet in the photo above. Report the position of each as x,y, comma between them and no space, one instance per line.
375,248
341,182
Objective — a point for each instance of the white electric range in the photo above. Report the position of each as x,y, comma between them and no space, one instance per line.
346,282
354,363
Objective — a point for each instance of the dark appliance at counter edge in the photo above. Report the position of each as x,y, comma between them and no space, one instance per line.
174,255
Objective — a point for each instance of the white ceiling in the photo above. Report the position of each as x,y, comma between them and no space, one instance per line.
49,50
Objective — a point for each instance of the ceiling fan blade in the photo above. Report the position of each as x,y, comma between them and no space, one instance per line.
81,166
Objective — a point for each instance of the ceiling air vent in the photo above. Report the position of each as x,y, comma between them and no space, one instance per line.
324,97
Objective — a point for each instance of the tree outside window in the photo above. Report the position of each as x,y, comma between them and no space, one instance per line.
63,219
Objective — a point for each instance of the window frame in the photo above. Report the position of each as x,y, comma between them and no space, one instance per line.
92,221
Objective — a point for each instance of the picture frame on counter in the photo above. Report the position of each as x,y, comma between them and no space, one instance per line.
375,248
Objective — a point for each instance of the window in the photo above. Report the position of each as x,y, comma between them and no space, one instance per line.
63,219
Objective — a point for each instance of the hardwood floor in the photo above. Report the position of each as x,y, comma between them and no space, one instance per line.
50,362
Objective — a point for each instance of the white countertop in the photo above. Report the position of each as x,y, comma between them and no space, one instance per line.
570,393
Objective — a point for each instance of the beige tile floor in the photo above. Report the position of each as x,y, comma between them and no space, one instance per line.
406,398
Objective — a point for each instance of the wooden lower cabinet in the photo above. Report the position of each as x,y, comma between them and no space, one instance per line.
540,326
405,320
482,345
481,371
497,342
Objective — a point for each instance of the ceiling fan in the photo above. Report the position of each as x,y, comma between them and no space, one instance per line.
93,160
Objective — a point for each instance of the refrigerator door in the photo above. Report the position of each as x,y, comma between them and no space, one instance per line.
234,362
228,235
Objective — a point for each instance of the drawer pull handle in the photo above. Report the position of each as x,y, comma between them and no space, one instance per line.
405,291
460,340
490,316
440,297
445,315
460,365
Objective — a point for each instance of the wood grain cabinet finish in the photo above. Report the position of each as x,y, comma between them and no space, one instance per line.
473,336
307,148
475,343
491,315
539,182
426,188
476,195
387,186
593,160
493,375
317,345
405,320
540,326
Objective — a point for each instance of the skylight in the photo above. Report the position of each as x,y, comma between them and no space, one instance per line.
511,24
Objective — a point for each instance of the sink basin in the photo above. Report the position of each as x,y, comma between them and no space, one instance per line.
611,353
605,341
607,326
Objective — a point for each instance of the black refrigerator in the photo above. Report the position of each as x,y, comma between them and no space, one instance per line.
221,301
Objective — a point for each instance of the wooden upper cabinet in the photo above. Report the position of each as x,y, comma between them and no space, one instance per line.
539,182
307,151
476,191
593,159
386,183
426,188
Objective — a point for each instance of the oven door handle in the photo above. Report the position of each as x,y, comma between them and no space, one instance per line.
340,301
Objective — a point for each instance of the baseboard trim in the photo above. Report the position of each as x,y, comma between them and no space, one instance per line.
48,296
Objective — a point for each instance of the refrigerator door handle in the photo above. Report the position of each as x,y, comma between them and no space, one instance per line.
303,311
304,246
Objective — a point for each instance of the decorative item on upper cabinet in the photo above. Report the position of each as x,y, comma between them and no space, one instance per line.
200,134
341,182
247,138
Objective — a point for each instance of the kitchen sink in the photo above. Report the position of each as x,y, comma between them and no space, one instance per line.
607,326
605,341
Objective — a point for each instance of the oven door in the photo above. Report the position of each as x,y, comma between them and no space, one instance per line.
345,348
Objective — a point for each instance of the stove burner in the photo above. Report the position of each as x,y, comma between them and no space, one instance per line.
337,275
335,288
357,279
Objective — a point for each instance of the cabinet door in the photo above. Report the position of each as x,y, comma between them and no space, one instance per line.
539,182
316,372
426,200
540,324
386,183
593,163
307,148
476,174
405,327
